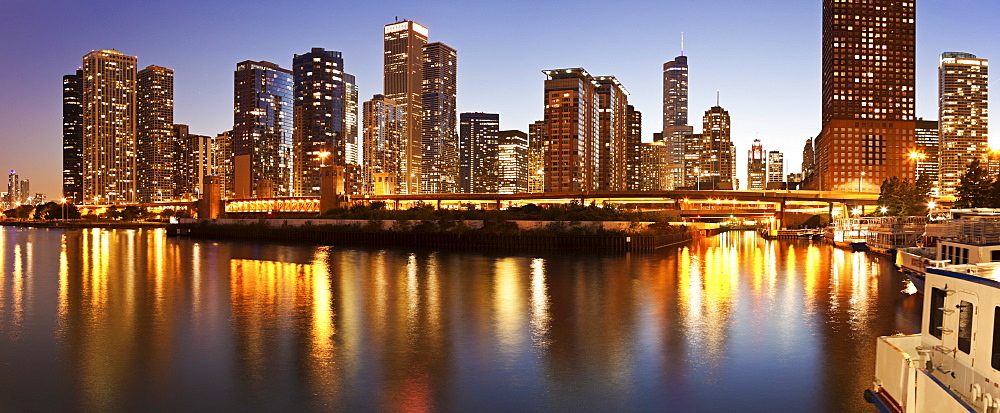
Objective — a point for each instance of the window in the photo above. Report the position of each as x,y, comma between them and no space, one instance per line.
965,255
936,320
965,326
995,360
995,256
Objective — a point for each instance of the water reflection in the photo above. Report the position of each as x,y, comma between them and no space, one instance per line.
143,322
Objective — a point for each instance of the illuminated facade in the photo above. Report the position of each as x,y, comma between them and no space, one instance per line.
73,137
694,147
262,130
512,163
352,119
440,135
222,160
109,127
927,153
868,94
808,158
571,121
154,134
675,118
775,167
633,138
478,152
322,129
403,84
383,139
536,156
653,168
756,167
612,134
963,110
718,167
194,161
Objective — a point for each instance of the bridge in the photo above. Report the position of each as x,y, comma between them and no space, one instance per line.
689,204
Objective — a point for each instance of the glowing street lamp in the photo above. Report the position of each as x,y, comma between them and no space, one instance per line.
856,211
860,178
322,157
884,210
63,202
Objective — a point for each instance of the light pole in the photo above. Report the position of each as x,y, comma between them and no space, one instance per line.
322,157
860,178
63,202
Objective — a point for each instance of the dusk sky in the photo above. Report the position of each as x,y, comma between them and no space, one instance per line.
762,55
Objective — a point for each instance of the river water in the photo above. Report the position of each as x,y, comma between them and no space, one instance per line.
130,320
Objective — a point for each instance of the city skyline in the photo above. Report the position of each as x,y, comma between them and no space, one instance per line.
30,123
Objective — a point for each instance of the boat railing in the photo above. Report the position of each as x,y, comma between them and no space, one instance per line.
896,358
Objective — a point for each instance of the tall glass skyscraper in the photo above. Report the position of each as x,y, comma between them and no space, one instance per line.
383,138
440,136
322,118
154,134
478,152
109,119
963,110
73,137
675,118
403,84
262,130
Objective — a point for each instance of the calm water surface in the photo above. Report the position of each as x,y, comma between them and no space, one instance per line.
129,320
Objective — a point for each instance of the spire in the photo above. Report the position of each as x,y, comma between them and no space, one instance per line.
682,43
717,98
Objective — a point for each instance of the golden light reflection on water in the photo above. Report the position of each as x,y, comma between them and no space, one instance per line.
509,305
540,317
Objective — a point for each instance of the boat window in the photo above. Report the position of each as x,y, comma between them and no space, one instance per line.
965,326
995,360
965,255
996,256
936,320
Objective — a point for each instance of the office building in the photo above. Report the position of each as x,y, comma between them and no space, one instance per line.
440,135
718,156
352,121
756,167
321,133
478,152
72,175
694,149
13,197
963,108
775,167
262,130
653,166
868,94
222,160
382,144
536,156
633,139
403,84
808,159
927,154
675,117
512,162
612,134
109,119
571,121
154,134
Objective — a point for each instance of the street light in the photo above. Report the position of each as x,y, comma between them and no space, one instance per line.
856,211
884,210
63,202
859,180
322,157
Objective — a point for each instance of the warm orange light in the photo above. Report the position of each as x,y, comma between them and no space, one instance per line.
917,156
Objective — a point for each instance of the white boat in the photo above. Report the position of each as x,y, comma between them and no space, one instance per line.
971,240
890,234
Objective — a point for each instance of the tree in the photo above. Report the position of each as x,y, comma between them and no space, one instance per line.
132,213
48,210
904,198
22,212
974,189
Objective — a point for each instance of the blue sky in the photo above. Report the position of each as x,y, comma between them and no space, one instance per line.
762,55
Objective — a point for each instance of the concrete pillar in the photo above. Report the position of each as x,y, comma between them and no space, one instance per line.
210,206
385,183
242,182
265,189
331,187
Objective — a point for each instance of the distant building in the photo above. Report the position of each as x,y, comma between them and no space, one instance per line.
633,158
73,137
868,95
717,161
676,130
109,119
383,138
440,135
963,109
654,167
571,121
808,158
512,162
154,134
928,153
992,163
194,161
262,130
756,167
478,152
536,156
775,167
13,196
403,84
694,147
222,160
321,130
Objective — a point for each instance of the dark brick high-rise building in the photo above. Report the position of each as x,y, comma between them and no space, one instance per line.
73,137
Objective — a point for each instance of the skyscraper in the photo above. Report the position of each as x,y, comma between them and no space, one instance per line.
440,135
694,150
536,156
321,109
869,55
383,138
222,160
262,130
571,121
633,138
928,153
403,84
13,190
154,134
109,127
808,159
512,162
612,134
675,117
717,160
194,161
756,168
478,152
73,137
351,120
775,167
963,112
653,168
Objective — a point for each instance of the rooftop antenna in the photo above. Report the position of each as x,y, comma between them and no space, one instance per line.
717,98
682,43
397,19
